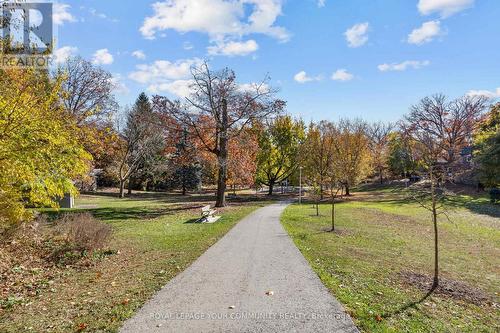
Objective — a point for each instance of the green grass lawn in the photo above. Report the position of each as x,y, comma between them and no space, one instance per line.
155,239
381,237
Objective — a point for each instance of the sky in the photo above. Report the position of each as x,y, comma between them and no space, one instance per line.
329,59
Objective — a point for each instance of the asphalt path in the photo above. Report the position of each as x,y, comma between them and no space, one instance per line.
253,280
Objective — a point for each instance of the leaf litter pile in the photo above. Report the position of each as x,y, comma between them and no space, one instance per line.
34,256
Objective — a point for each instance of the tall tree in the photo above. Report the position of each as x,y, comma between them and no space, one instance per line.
141,139
279,147
87,95
87,91
187,171
317,150
451,124
40,153
242,165
401,154
217,110
378,136
352,153
487,148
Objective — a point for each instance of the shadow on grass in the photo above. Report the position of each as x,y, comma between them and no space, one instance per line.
476,206
173,197
123,214
193,221
409,305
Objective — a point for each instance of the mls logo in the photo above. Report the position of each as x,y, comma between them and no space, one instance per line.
26,28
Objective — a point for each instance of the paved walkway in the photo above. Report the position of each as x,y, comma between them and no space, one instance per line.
255,257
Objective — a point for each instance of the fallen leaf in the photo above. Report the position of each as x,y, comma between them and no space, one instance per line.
270,293
125,301
378,318
232,307
81,327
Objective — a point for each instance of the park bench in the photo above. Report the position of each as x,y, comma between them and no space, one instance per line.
208,215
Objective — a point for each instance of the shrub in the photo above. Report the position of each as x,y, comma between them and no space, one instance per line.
83,232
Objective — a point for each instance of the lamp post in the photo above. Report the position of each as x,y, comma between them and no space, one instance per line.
300,185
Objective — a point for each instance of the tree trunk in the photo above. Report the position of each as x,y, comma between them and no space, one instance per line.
381,176
436,250
436,239
321,190
271,188
333,213
183,189
129,186
221,186
122,188
347,191
222,158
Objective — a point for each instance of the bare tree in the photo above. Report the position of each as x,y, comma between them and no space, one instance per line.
87,91
378,136
449,124
438,130
218,109
429,194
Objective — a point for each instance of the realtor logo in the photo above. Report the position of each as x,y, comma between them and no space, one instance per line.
26,34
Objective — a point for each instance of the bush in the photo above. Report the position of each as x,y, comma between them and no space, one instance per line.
83,232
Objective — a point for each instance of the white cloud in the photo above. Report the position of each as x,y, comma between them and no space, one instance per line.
403,65
62,54
165,76
234,48
252,87
342,75
219,19
357,35
61,14
139,54
445,8
321,3
102,57
119,86
425,33
486,93
302,77
180,88
163,70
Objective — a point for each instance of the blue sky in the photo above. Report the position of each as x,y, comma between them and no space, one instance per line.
369,59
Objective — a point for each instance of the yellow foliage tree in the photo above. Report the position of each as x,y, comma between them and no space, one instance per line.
40,152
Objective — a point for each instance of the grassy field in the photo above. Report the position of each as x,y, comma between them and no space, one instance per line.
384,240
153,238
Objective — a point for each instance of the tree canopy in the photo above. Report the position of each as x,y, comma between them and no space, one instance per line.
40,153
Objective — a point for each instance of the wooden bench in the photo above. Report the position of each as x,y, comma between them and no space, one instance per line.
208,215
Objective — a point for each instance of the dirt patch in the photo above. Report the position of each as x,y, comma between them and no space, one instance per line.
449,288
338,232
